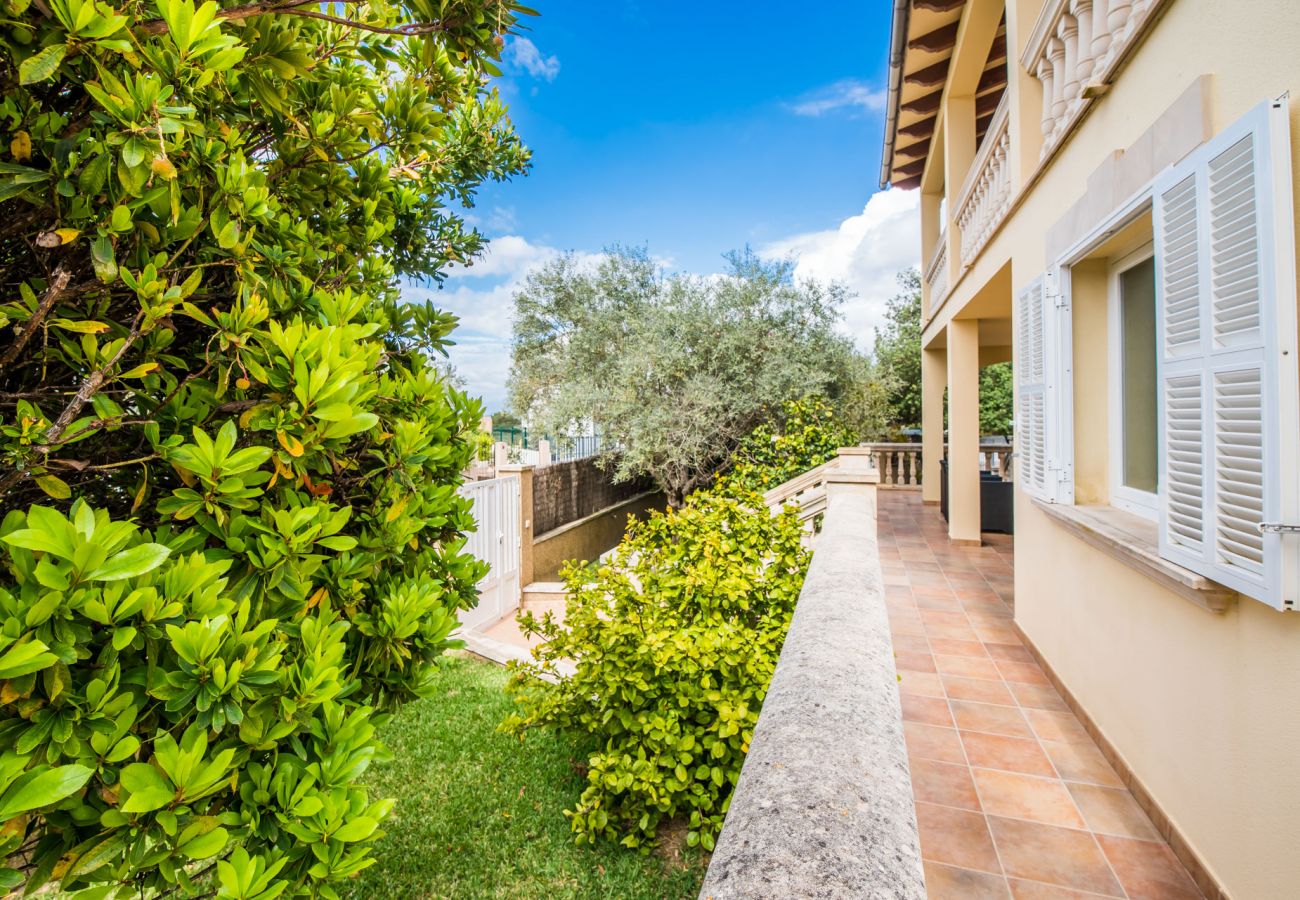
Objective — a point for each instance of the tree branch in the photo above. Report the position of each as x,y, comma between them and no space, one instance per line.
53,293
294,8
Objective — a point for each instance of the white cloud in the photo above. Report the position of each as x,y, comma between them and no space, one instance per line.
865,252
855,96
526,55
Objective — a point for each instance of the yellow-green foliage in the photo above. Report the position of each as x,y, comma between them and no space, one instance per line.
807,435
232,537
675,642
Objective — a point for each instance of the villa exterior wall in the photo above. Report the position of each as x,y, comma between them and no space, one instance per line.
1204,708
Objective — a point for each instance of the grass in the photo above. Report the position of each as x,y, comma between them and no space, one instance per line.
479,814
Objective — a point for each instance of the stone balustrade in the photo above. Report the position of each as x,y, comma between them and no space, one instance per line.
936,273
899,465
986,196
1075,47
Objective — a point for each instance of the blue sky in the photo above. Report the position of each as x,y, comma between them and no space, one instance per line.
693,129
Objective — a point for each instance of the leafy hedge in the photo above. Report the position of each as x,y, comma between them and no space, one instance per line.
806,434
675,642
232,539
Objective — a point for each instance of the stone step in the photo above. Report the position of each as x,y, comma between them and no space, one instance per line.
544,590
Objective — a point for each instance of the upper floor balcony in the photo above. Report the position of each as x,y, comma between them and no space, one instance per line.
980,103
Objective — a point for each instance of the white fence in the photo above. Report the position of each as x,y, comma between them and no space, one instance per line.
497,543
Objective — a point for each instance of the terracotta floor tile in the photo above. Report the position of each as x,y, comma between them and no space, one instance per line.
956,837
945,617
1082,762
1059,856
978,690
1053,725
933,742
915,643
1112,811
946,604
1038,696
952,632
949,647
905,623
944,784
967,666
926,710
993,607
1148,871
990,718
1013,652
995,751
1036,890
1027,797
951,883
911,661
924,683
996,634
943,592
1026,673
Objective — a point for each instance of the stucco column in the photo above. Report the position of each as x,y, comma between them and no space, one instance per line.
964,431
525,474
934,379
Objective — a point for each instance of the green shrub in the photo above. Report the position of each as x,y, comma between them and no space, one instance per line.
232,537
806,434
675,643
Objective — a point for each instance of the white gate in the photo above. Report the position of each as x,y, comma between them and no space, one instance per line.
496,542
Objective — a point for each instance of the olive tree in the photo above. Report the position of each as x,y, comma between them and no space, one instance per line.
228,464
674,370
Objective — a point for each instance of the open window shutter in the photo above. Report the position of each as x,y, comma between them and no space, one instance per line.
1044,433
1229,389
1031,414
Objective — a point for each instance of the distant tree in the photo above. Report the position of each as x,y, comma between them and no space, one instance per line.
898,352
505,419
997,408
898,367
674,370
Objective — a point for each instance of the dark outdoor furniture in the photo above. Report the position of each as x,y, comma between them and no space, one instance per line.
997,500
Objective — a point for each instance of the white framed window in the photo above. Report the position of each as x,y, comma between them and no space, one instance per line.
1133,408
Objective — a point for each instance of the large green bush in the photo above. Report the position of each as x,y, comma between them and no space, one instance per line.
807,434
232,537
675,642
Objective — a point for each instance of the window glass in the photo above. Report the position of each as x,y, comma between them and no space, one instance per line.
1137,288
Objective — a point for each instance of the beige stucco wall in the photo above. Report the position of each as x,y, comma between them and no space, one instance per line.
1205,709
587,538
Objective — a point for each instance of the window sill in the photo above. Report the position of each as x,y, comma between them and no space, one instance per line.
1133,541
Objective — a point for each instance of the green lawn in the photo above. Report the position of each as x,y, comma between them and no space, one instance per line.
479,814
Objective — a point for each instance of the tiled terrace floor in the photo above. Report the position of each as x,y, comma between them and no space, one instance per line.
1013,798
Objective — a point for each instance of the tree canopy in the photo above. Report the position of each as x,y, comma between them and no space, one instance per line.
674,370
228,463
898,356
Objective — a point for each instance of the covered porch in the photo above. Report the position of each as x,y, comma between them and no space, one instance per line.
952,356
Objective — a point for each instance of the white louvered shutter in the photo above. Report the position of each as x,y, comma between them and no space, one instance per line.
1044,426
1229,389
1031,413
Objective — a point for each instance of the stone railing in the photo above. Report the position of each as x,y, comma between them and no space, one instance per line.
936,273
986,196
823,807
1075,48
899,465
808,491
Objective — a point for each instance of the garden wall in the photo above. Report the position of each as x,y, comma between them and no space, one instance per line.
568,491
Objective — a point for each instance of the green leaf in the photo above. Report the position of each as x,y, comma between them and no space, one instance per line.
206,845
149,789
54,486
102,256
43,65
39,788
357,829
23,659
130,563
